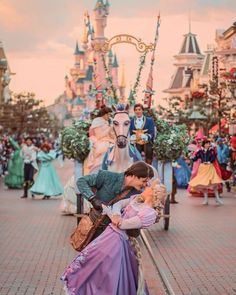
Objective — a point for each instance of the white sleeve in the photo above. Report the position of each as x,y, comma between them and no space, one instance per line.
116,208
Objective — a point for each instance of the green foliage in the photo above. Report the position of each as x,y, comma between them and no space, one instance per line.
171,140
75,141
25,115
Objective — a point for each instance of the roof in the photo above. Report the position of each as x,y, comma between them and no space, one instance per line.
77,50
88,77
182,78
89,73
190,45
78,101
115,63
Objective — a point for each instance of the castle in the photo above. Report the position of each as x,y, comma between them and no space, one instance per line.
87,83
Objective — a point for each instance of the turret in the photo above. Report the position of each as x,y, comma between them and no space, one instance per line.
115,67
101,12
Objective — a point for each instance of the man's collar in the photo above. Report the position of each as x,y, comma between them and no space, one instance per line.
140,118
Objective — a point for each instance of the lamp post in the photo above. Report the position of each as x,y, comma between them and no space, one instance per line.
209,105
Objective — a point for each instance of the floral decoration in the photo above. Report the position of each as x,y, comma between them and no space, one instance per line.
75,141
171,140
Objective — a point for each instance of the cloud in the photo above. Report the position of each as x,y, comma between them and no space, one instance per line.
39,36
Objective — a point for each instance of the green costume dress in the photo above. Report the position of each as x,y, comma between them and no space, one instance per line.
15,176
47,182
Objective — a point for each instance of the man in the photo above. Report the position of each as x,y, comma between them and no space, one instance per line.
110,184
29,157
223,157
142,132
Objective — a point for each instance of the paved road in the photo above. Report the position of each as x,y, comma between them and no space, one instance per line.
34,247
197,254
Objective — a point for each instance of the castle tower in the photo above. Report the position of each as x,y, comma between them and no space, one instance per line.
101,12
188,65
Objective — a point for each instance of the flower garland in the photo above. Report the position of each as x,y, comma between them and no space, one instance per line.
109,80
137,82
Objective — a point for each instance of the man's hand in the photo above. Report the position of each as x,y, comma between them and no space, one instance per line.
144,137
97,204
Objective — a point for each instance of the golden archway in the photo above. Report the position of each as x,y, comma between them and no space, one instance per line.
124,38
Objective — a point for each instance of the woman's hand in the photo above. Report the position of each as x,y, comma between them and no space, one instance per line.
116,220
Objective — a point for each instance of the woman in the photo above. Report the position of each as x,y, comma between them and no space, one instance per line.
15,176
100,135
206,176
111,263
47,182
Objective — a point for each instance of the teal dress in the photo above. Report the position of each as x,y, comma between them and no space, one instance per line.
47,182
15,176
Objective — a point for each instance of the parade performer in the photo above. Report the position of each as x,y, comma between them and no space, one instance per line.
142,132
232,157
28,153
182,172
100,136
223,157
47,182
15,176
109,184
111,264
208,174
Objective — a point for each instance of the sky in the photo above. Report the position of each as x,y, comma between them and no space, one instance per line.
39,37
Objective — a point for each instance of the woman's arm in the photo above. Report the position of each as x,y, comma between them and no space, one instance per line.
143,219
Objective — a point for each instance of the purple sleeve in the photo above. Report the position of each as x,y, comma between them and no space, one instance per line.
143,219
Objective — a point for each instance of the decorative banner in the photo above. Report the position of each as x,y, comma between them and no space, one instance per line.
124,38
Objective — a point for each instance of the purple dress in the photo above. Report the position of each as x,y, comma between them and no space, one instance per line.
108,266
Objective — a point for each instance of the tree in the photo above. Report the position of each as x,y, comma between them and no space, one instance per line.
25,115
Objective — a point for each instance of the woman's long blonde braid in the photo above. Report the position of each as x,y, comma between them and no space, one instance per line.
137,252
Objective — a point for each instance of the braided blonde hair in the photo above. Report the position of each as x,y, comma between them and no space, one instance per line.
137,252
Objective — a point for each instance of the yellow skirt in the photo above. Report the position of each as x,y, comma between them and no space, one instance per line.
206,177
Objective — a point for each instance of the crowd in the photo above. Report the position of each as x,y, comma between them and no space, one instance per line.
127,198
19,159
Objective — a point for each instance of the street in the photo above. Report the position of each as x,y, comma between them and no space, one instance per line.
197,254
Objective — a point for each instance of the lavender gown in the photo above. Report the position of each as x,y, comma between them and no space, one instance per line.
108,266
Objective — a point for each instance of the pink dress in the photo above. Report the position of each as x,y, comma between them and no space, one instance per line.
101,139
108,265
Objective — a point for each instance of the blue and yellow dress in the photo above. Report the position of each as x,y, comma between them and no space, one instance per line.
207,176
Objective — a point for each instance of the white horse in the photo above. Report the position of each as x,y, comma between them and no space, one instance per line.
122,154
118,158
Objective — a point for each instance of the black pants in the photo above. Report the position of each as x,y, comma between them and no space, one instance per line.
148,151
28,172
